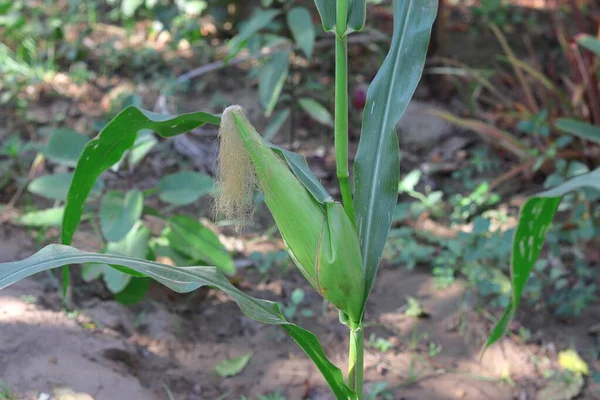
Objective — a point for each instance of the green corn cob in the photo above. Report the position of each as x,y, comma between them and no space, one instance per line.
319,237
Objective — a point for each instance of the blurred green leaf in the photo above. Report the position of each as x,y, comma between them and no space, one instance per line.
129,7
232,366
589,42
189,237
119,213
271,78
275,124
134,292
303,31
316,111
42,218
258,21
377,164
184,187
580,129
65,146
56,186
144,143
134,245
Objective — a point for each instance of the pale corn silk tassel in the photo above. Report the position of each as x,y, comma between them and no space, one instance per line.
235,174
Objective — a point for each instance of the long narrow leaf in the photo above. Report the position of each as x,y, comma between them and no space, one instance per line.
183,279
376,169
536,216
589,42
580,129
109,146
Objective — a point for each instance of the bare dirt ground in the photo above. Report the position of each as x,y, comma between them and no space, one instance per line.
112,352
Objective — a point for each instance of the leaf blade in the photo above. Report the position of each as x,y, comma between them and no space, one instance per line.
376,168
303,31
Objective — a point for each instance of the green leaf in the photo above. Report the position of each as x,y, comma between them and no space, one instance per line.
275,124
108,147
184,187
298,165
589,42
232,366
536,216
302,28
376,168
42,218
134,245
144,143
258,21
134,292
183,280
65,146
119,213
271,78
357,14
189,237
580,129
316,111
56,186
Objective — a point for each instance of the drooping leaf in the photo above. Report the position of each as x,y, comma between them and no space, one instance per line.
580,129
258,21
316,111
589,42
271,78
183,280
535,219
275,124
65,146
189,237
376,168
109,146
48,217
303,31
232,366
184,187
119,213
56,186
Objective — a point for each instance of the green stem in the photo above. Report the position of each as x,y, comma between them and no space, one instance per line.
341,109
356,360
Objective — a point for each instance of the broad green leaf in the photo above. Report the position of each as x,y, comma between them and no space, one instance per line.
189,237
48,217
258,21
297,163
589,42
183,280
119,213
535,219
275,124
580,129
134,292
56,186
184,187
92,271
134,245
271,78
302,28
316,111
144,143
65,146
377,165
232,366
108,147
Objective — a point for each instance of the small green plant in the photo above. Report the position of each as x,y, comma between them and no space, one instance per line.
296,300
379,343
6,393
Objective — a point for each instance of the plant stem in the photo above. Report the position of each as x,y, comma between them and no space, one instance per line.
356,360
341,109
